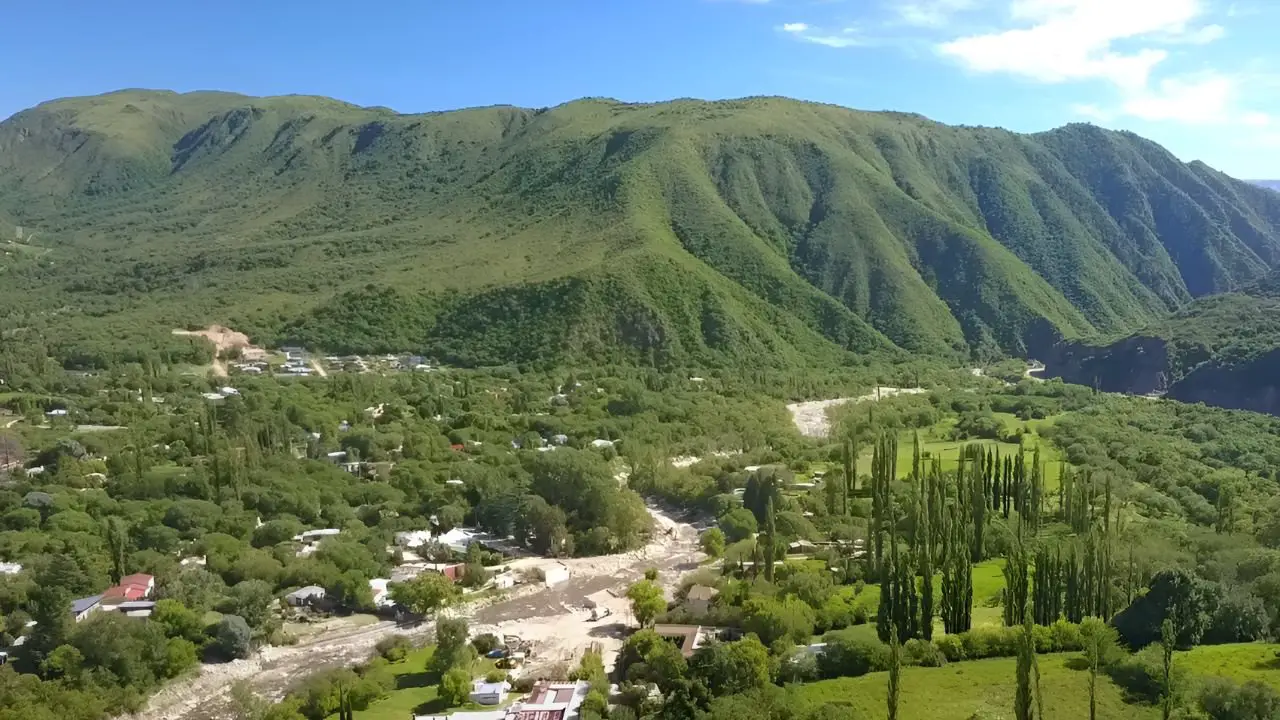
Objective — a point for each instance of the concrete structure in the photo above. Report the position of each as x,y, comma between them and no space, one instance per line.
552,701
381,596
700,597
413,538
504,581
487,693
306,597
84,607
314,536
554,574
686,637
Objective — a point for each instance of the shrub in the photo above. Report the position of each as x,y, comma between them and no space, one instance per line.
486,643
1222,699
922,653
1141,675
394,648
1066,636
951,647
495,676
849,655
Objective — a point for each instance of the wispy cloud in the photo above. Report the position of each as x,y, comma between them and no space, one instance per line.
1122,44
929,13
847,37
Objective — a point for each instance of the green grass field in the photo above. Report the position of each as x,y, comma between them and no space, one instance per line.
416,690
1240,662
988,583
977,689
935,442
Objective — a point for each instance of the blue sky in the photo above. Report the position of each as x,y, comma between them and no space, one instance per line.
1200,76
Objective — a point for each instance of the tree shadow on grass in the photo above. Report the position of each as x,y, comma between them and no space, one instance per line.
1272,664
417,680
1077,663
434,706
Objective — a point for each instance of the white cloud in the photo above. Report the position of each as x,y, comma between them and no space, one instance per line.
1072,40
1200,100
1203,36
847,37
930,13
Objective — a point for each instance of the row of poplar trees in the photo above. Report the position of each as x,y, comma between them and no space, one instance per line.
946,522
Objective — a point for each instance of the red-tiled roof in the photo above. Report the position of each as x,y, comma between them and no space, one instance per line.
557,714
142,579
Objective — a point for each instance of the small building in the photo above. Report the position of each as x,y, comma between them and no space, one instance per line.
147,583
135,608
601,443
10,568
57,412
228,391
378,587
308,596
504,581
686,637
336,457
212,396
459,539
554,574
560,439
84,607
700,597
552,701
487,693
315,536
413,538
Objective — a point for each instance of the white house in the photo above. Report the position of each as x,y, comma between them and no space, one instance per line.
59,412
381,597
458,539
314,536
228,391
601,443
554,574
413,538
8,568
487,693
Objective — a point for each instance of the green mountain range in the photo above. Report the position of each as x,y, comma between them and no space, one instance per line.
755,231
1222,350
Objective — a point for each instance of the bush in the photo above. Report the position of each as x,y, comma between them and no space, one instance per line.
394,648
496,676
486,643
233,637
951,647
1222,699
1066,636
849,655
922,653
988,642
1141,675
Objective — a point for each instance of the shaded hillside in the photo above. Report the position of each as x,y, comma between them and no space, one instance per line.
1222,350
681,232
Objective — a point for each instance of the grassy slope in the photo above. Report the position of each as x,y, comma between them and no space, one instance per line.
826,221
1239,662
981,688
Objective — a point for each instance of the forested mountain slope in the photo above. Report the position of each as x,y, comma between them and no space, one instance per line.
763,230
1222,350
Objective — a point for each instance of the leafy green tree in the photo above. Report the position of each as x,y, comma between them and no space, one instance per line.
789,619
732,668
452,649
1168,642
425,594
648,657
1100,645
254,601
178,621
647,601
738,524
895,674
455,687
1172,594
713,542
233,637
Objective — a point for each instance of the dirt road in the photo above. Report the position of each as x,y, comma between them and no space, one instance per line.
811,417
225,339
553,619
